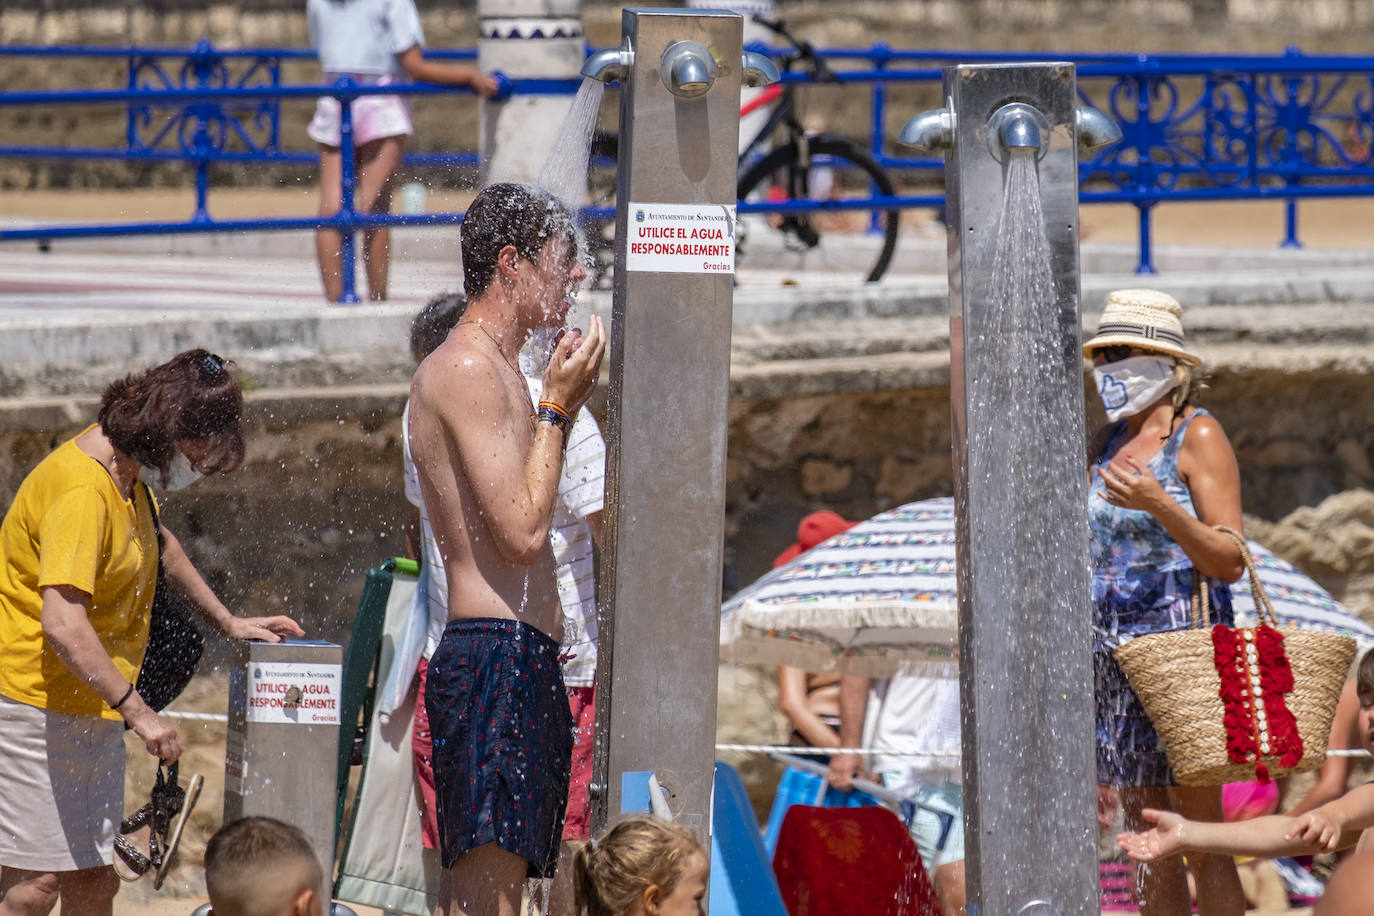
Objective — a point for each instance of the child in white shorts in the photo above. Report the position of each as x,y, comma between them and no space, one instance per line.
375,43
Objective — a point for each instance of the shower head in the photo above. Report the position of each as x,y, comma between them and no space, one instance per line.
1018,126
687,69
1095,128
759,70
930,130
609,65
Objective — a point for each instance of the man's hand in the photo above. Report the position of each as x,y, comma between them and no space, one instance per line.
843,769
1163,840
575,367
267,629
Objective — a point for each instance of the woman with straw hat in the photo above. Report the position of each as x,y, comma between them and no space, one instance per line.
1163,474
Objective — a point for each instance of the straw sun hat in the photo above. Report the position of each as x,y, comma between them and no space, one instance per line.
1143,318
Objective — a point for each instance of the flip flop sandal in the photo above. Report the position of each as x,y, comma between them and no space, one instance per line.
190,797
129,863
164,804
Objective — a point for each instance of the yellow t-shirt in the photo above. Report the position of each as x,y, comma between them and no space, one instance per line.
69,525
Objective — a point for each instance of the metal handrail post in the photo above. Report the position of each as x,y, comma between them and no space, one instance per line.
1292,155
348,295
203,59
879,97
1144,169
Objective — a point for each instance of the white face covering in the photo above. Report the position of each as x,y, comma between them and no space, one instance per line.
180,474
1130,385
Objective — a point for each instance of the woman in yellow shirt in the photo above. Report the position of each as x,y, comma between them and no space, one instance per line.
80,552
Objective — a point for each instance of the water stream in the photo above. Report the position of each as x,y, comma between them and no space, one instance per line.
564,173
1023,522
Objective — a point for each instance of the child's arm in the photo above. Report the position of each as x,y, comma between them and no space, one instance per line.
420,70
1334,825
1327,826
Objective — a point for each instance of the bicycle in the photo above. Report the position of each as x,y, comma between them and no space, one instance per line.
800,166
792,170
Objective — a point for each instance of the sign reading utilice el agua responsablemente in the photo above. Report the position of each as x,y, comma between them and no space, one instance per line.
681,238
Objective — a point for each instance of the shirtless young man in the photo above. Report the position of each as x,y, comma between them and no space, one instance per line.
489,473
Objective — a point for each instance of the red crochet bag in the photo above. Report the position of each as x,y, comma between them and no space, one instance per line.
1233,704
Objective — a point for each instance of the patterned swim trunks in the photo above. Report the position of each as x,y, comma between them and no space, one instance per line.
503,739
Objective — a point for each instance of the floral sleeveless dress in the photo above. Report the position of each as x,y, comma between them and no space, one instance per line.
1142,583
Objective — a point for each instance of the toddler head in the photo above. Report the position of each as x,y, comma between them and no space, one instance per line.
642,867
259,866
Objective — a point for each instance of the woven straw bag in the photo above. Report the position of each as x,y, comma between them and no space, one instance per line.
1198,687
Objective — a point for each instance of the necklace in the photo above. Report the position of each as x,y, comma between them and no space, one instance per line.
478,325
496,343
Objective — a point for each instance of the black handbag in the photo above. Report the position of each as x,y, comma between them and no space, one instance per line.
174,644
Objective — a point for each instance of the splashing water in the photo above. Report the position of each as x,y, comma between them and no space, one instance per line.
564,174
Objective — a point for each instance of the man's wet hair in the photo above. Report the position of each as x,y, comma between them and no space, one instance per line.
509,214
246,860
433,322
1364,675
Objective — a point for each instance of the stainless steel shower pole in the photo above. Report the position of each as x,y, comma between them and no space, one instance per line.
660,574
1026,667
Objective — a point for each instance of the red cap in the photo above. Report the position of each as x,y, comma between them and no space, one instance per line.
812,530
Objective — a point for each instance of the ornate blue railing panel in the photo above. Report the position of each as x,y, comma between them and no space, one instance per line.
1195,128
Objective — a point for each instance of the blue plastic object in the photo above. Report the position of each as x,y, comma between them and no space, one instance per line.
801,788
742,879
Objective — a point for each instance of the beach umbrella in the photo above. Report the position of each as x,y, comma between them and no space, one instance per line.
884,593
1298,601
862,602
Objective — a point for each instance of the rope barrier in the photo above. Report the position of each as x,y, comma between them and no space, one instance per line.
759,748
823,751
194,716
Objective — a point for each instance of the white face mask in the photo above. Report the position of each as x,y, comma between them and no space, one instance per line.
180,474
1130,385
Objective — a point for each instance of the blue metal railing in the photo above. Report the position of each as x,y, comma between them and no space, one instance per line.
1195,128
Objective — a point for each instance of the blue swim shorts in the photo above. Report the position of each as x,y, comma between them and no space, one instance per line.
503,739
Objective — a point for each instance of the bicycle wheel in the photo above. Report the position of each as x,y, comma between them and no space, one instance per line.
815,240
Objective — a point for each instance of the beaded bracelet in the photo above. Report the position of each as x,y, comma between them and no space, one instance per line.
557,417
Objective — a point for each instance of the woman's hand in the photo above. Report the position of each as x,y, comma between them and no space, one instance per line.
158,735
267,629
1164,839
1108,806
1132,486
